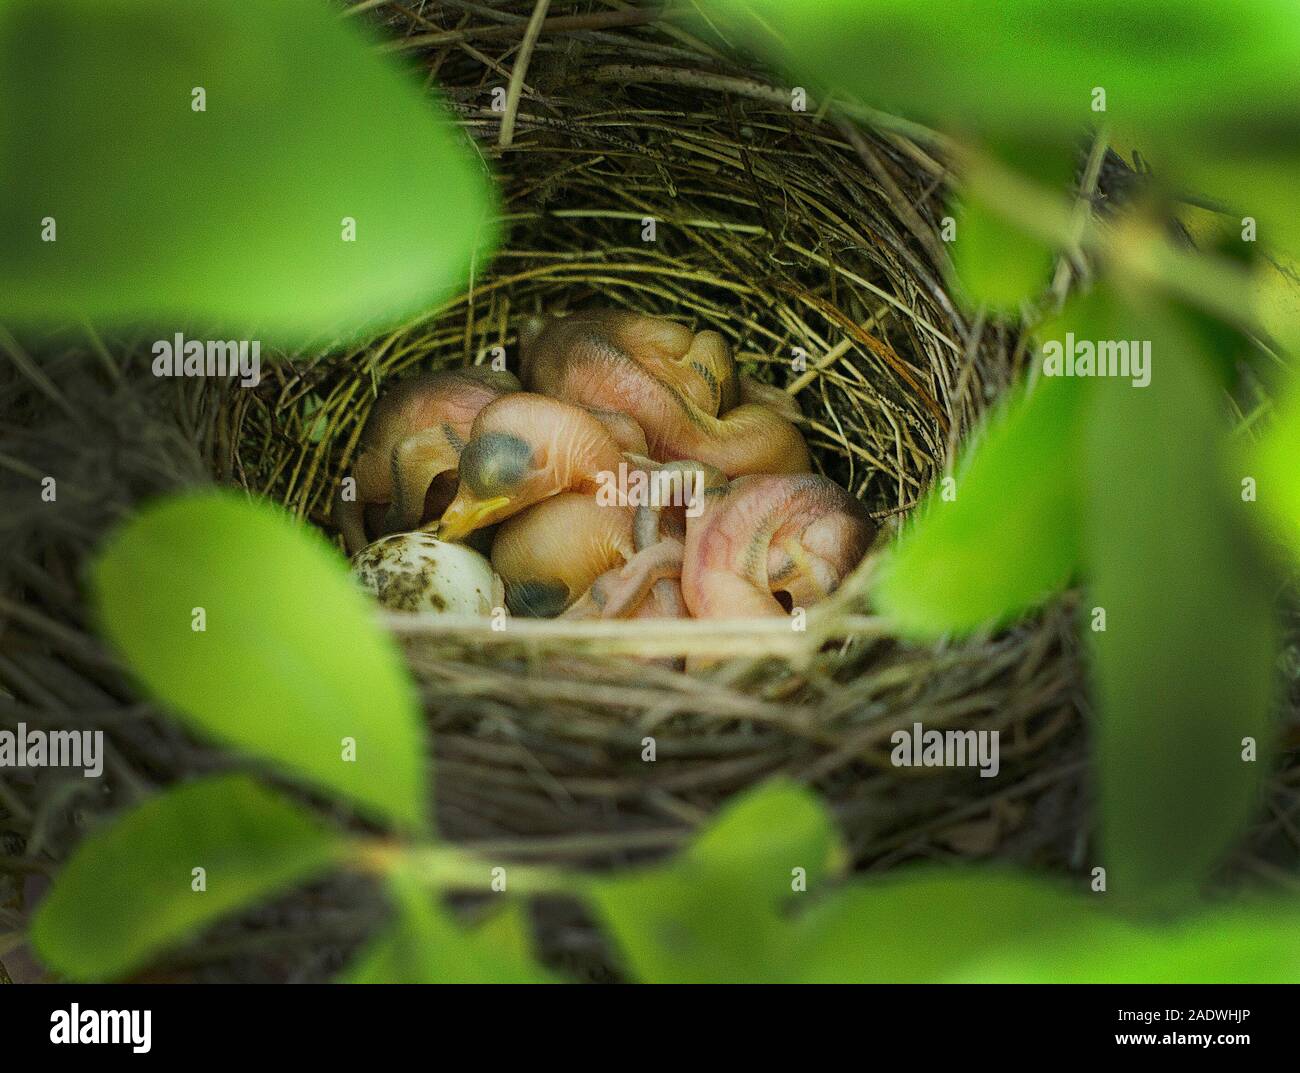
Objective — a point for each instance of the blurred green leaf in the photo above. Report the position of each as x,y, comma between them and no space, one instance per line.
507,932
1255,177
779,826
1003,928
938,927
997,263
704,919
231,219
716,912
1227,946
127,891
1010,538
1209,89
1277,297
290,661
1276,465
1029,67
722,911
1184,665
1183,670
425,946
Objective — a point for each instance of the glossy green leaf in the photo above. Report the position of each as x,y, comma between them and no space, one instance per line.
425,946
717,912
1184,667
231,219
1009,538
289,663
127,892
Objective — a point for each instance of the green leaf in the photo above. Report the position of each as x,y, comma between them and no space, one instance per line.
1010,538
1004,928
1276,464
1030,66
1217,113
716,913
779,826
425,946
1253,178
229,219
507,932
935,928
995,262
289,662
1235,946
723,912
127,891
1184,668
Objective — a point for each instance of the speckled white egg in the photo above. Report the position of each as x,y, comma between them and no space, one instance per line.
418,572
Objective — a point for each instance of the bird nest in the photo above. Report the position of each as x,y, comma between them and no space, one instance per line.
647,170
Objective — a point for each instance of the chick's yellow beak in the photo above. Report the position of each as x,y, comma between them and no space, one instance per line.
464,515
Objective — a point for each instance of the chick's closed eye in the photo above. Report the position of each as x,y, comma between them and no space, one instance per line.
495,463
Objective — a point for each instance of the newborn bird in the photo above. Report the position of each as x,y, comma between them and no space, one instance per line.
765,544
566,556
647,584
414,435
697,366
549,555
522,449
674,382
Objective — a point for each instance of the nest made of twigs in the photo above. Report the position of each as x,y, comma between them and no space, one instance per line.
811,242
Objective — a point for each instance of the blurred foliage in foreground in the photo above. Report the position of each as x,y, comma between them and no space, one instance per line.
1209,89
194,167
753,898
1136,492
757,895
